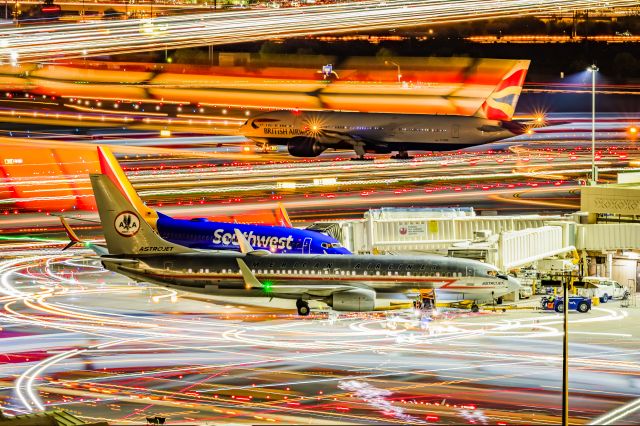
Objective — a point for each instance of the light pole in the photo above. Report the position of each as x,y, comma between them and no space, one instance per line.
594,170
565,350
393,63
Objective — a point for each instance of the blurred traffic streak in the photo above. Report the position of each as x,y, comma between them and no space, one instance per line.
50,42
77,337
428,85
521,177
182,91
44,175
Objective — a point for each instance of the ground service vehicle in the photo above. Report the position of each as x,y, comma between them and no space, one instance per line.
606,289
577,303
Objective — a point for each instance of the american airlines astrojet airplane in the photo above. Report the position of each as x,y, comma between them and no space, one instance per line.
345,282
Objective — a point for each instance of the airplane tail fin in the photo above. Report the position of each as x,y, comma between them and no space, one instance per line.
124,230
110,167
283,217
501,104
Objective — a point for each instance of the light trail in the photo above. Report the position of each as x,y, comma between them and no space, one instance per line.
615,416
87,39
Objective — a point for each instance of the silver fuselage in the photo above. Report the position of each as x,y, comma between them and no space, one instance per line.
393,131
289,275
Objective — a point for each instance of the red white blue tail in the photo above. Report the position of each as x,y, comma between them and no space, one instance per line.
501,104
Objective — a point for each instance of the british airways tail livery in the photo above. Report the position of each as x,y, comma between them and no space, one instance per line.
201,233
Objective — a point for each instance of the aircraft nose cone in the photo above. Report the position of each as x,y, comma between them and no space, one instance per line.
514,284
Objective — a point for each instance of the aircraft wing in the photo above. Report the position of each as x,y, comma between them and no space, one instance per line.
287,291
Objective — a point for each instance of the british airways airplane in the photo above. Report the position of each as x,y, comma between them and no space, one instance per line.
309,133
200,233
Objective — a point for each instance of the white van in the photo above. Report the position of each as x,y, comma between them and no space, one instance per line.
606,289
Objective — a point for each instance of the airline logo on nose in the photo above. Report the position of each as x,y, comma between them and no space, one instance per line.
127,224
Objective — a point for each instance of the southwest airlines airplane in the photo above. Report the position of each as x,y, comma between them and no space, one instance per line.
308,134
200,233
345,282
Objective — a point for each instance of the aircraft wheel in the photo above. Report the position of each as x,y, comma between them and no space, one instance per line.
474,308
303,308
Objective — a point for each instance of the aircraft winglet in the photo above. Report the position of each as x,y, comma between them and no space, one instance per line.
70,233
245,246
284,216
250,280
74,239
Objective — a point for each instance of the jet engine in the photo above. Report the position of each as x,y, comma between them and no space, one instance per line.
305,147
356,300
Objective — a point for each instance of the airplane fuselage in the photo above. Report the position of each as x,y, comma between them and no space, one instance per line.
203,234
309,133
314,276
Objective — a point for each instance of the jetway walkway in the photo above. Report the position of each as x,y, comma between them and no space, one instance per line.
506,241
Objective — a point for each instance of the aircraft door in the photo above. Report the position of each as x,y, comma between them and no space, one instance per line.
306,246
455,131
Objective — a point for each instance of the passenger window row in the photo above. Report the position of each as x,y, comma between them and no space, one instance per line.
329,272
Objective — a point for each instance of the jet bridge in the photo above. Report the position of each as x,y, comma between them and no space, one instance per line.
505,241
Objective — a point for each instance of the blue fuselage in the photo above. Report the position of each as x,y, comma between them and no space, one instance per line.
202,234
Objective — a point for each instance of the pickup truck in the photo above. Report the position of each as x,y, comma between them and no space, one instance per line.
605,289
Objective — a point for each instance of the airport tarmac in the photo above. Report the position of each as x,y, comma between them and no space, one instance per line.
89,341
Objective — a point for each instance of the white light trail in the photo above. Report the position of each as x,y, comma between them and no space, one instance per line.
47,42
614,416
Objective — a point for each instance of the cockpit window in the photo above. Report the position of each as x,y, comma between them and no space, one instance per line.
336,245
325,245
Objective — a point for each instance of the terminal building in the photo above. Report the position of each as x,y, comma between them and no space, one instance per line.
601,240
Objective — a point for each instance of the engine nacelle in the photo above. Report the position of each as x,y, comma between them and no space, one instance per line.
305,147
356,300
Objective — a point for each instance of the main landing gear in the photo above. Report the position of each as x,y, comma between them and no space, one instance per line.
402,155
360,152
303,307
